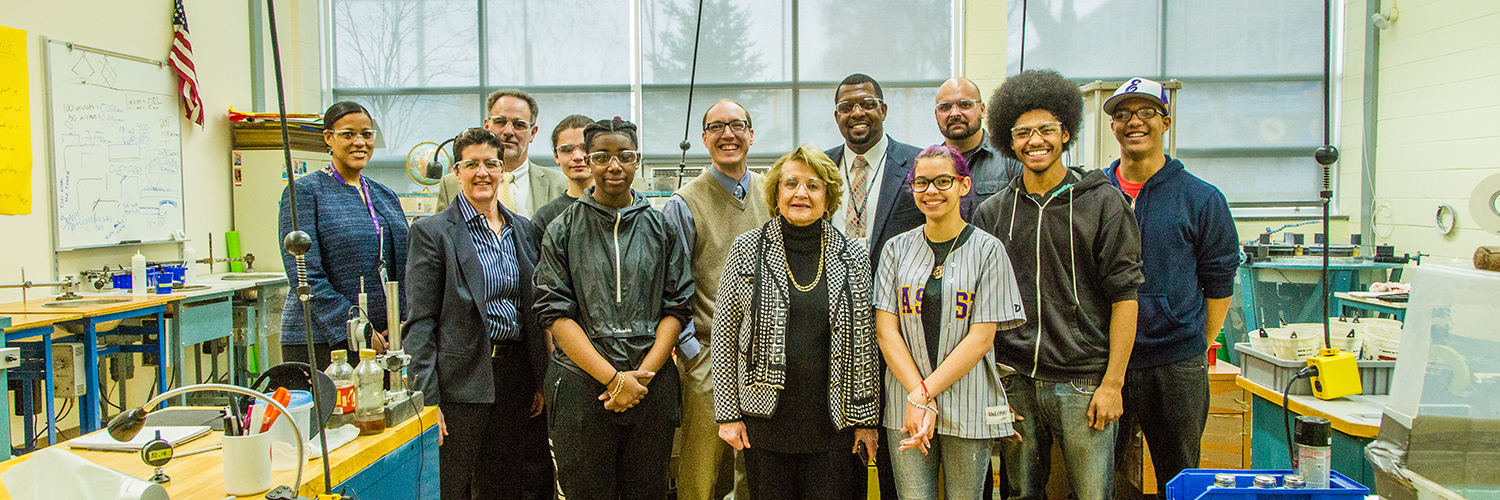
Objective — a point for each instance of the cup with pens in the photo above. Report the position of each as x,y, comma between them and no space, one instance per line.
247,455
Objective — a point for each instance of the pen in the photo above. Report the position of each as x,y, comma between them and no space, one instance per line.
229,425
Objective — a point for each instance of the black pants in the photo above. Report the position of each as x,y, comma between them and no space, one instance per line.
601,454
298,353
1169,403
487,450
799,476
860,475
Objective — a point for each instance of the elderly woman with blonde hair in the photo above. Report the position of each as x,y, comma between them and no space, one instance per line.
795,360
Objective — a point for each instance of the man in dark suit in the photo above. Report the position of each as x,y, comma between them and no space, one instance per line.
477,352
877,203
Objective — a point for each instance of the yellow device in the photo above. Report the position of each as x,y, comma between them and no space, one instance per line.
1338,374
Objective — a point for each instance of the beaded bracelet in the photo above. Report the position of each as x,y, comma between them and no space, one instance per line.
931,408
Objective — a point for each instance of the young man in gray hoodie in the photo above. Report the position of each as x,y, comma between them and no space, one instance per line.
1076,250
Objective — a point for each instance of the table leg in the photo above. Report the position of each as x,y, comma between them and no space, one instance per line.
161,354
28,421
47,377
89,412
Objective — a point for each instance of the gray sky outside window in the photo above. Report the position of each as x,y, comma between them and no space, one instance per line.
1251,109
424,70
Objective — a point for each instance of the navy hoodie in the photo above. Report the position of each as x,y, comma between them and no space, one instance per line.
1076,251
1190,250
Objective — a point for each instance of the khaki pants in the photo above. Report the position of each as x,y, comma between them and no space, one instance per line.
708,467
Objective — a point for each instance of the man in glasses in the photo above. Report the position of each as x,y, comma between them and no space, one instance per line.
874,209
1076,249
524,187
709,212
960,118
572,159
1189,267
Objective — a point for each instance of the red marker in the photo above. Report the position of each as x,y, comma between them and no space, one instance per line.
281,396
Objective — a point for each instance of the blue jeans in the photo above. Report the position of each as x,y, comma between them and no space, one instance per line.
965,463
1056,410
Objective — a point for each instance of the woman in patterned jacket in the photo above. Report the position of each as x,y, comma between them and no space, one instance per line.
797,392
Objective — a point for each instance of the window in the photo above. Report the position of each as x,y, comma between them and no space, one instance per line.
1250,112
424,67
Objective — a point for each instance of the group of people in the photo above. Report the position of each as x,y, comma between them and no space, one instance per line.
874,301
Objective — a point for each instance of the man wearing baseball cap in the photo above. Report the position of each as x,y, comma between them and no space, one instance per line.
1189,255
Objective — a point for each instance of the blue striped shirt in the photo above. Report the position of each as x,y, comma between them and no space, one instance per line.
502,284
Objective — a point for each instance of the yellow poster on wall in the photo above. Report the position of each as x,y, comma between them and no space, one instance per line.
15,124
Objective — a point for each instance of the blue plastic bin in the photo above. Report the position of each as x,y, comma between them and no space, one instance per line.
1198,484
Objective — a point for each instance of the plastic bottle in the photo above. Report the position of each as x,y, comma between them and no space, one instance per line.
343,381
138,277
369,414
190,261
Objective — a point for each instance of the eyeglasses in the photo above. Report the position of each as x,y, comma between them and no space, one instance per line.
791,184
1144,114
941,182
349,135
516,124
868,104
719,127
567,149
626,157
963,105
1049,129
472,165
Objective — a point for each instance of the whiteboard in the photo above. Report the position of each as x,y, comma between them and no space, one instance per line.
116,148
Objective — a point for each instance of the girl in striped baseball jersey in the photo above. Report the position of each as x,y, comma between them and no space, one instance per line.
941,292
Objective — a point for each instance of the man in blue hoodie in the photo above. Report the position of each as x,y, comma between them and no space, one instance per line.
1076,249
1190,253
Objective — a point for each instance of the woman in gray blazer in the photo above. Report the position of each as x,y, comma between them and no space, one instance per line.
477,352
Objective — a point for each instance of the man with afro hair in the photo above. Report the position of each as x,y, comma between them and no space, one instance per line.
1076,249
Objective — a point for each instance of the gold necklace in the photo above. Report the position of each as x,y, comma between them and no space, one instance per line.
823,243
937,270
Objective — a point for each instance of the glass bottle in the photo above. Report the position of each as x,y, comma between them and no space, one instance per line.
342,375
369,413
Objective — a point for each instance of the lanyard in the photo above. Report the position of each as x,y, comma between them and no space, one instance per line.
364,192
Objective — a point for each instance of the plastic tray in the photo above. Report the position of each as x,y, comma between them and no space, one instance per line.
1273,372
1198,484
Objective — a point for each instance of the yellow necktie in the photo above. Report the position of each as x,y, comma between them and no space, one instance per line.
507,196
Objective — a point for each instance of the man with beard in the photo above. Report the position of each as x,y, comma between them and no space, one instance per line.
524,187
960,117
876,206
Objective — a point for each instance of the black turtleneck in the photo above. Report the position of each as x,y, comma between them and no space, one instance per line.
801,422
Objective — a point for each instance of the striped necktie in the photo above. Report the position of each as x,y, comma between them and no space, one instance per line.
855,228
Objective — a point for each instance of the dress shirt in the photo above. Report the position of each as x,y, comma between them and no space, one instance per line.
876,158
497,260
680,217
521,188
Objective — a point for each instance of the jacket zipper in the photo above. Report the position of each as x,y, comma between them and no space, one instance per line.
1036,353
618,295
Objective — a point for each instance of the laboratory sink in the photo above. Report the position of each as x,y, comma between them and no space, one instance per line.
85,302
250,276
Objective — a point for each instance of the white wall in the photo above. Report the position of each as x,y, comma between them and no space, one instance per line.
1439,121
222,54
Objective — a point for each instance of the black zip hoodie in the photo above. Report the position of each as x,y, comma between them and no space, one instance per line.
1076,251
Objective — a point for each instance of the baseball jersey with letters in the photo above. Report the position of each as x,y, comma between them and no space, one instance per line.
978,286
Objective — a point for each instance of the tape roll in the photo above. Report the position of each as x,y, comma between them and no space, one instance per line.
1482,204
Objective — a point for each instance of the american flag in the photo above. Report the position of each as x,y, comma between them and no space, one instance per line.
181,59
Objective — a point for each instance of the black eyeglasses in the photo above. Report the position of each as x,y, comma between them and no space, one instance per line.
867,104
719,127
963,105
941,182
1122,115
